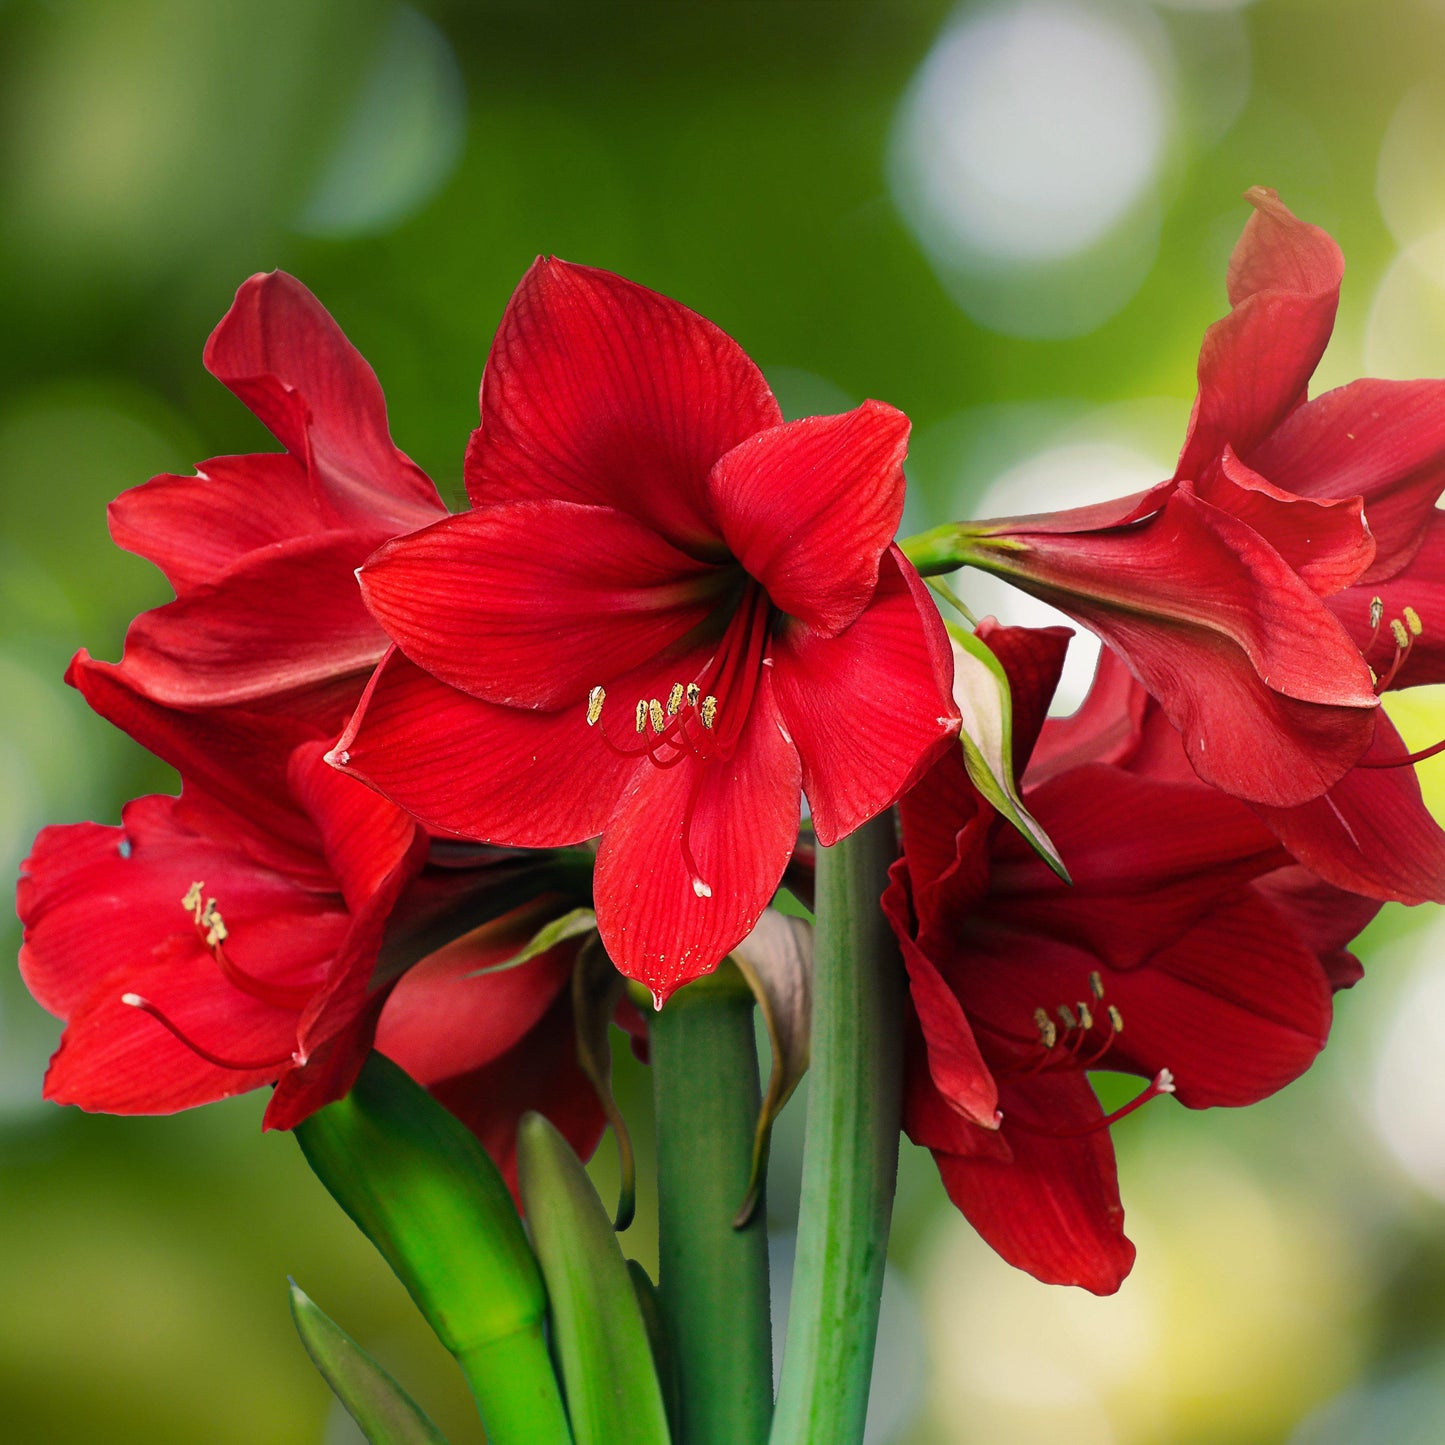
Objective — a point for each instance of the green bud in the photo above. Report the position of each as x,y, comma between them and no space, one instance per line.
613,1395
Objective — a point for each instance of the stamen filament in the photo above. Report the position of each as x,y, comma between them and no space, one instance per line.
246,1066
1162,1083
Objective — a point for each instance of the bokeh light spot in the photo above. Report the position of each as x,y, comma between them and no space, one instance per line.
402,139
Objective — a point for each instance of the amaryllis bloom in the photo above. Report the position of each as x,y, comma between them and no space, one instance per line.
194,957
1243,591
666,615
261,549
1189,951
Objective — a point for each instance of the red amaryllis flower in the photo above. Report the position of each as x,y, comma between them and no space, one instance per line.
1242,592
194,957
1187,951
667,612
261,549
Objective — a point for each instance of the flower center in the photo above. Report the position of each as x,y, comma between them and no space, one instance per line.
702,719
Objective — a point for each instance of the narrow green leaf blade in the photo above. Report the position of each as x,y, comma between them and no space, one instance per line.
981,690
611,1384
553,932
385,1412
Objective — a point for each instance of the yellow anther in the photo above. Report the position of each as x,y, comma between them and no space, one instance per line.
1117,1019
1066,1017
192,901
641,714
655,712
693,693
1086,1016
1412,621
674,699
1096,984
1397,631
1377,611
215,924
595,699
1048,1034
709,711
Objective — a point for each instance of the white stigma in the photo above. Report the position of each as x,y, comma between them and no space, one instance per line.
701,888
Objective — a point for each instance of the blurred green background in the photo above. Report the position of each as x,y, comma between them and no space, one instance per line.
1012,221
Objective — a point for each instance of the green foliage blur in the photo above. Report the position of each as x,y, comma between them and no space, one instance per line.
1011,220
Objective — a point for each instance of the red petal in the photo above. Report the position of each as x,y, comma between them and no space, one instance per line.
284,619
237,757
1381,440
810,507
364,836
1148,859
194,528
1328,543
482,600
445,1017
740,817
280,351
1371,833
114,1059
1271,696
1106,728
953,1060
1235,1010
1325,918
598,390
480,770
1053,1209
870,709
1255,364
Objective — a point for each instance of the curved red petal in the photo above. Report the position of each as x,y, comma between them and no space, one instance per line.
1255,364
284,620
1327,541
1371,833
661,923
279,350
1380,440
600,391
195,528
810,507
480,770
1053,1209
534,603
870,709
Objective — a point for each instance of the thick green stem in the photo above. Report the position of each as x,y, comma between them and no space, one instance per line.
850,1150
515,1388
713,1279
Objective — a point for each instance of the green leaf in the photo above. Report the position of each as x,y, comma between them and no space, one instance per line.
428,1196
559,930
981,690
613,1393
776,959
386,1414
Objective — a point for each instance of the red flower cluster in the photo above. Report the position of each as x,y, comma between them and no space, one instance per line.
669,615
1230,800
253,930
